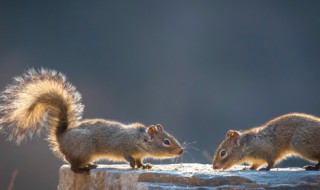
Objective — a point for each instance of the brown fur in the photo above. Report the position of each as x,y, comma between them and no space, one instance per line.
44,98
291,134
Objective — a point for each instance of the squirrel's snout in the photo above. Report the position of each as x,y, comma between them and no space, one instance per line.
216,166
180,151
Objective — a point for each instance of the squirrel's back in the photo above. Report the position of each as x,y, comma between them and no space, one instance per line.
36,100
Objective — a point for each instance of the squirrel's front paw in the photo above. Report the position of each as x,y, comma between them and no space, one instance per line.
264,169
147,166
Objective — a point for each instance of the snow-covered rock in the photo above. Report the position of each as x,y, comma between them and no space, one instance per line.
187,176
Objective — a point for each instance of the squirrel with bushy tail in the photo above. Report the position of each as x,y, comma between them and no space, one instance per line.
45,99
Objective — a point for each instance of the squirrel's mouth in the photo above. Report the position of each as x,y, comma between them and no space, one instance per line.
218,166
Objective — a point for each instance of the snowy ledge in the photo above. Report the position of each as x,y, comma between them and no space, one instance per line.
187,176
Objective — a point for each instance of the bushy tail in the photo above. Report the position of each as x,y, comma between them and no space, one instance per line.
36,100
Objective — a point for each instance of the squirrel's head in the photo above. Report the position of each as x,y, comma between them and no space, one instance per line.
160,144
229,151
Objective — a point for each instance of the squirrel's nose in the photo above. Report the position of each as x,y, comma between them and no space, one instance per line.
180,151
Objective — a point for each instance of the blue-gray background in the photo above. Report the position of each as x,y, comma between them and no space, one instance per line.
197,67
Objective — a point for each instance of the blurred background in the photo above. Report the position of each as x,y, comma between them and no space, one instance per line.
199,68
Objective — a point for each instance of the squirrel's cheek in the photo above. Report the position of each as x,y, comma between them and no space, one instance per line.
228,165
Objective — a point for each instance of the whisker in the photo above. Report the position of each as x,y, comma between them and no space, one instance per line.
187,145
188,153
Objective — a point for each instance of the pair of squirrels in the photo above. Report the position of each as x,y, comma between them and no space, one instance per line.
45,99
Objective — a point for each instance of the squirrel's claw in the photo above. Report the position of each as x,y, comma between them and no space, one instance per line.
147,166
310,167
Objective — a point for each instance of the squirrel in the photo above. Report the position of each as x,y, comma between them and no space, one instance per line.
45,99
291,134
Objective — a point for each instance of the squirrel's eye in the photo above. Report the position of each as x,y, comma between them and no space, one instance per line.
145,140
223,153
166,142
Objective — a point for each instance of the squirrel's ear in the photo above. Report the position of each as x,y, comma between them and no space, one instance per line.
151,130
235,136
159,127
232,133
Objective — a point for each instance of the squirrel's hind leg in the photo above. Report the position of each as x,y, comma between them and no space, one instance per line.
86,169
91,166
311,167
77,169
79,166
